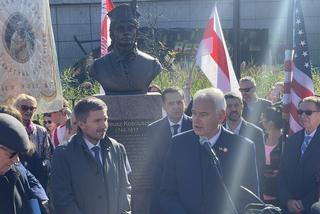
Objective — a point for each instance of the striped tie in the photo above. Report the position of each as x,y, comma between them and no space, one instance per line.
305,144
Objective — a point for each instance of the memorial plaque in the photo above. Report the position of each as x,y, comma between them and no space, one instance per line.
129,116
131,134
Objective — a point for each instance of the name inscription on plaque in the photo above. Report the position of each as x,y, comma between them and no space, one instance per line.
131,134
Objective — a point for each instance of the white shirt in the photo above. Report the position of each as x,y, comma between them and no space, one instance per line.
90,146
237,129
311,134
214,139
178,123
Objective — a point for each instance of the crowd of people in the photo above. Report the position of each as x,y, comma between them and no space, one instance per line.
232,146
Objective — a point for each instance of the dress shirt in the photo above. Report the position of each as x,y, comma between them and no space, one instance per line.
236,130
90,146
178,123
214,139
311,134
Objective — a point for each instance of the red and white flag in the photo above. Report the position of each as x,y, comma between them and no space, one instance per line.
106,7
298,77
213,57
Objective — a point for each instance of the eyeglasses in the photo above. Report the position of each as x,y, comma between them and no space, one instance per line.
26,108
307,112
245,89
47,122
12,154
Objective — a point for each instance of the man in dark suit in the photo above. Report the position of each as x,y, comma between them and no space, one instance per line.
90,174
299,168
159,135
197,180
253,105
236,124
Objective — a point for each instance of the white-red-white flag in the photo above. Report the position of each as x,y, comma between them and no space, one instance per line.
213,57
106,7
298,77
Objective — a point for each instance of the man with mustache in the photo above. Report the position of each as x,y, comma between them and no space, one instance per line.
238,125
90,173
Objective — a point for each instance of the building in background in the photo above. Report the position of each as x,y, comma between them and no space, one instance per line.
180,24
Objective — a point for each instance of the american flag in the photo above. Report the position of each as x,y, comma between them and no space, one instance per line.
298,77
106,7
213,57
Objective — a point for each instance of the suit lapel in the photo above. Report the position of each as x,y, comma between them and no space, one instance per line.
242,128
86,150
105,149
311,147
166,128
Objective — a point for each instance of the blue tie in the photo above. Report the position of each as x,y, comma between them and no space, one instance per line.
305,144
175,128
96,150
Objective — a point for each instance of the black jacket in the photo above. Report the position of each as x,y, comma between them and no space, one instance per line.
16,191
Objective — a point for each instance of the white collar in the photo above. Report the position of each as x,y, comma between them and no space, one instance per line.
89,144
214,139
179,122
311,134
237,129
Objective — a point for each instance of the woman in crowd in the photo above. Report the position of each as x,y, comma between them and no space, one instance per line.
274,140
48,123
38,135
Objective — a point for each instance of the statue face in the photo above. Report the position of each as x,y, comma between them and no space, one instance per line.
124,34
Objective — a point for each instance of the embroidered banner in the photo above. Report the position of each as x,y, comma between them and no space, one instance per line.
28,59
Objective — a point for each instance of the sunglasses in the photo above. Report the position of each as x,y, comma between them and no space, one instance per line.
47,122
12,154
245,89
26,108
307,112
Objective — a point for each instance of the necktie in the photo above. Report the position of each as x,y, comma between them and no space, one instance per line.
175,128
305,144
96,150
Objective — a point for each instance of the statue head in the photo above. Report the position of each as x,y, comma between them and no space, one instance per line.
124,26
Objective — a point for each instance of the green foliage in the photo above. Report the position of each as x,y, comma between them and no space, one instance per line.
265,76
75,87
180,75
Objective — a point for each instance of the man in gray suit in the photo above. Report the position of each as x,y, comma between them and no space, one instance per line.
90,173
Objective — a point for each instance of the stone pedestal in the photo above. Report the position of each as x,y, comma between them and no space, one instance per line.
129,116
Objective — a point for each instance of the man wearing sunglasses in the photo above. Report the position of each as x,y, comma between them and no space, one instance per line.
253,105
300,164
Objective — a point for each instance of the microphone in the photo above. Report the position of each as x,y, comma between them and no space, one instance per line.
204,141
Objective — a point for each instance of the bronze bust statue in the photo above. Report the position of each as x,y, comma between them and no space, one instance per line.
125,69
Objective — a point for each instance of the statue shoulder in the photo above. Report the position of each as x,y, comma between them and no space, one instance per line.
144,56
100,64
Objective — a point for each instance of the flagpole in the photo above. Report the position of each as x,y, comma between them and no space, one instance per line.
286,100
236,37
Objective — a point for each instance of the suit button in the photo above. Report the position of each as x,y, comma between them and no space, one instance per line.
99,197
